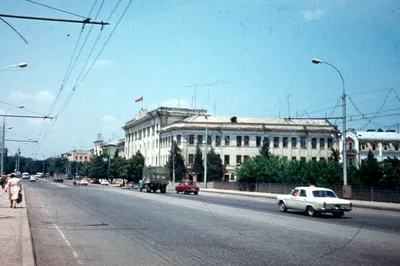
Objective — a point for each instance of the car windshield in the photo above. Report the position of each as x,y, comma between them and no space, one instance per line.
191,183
324,194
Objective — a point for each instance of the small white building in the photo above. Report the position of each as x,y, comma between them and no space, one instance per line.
104,148
382,144
235,139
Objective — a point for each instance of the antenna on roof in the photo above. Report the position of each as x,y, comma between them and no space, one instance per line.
288,104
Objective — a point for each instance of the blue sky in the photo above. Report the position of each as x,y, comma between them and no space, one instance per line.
255,52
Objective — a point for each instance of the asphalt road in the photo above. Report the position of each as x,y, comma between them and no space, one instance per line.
97,225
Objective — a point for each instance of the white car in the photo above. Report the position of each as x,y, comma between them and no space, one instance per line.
314,200
33,178
25,176
104,182
83,182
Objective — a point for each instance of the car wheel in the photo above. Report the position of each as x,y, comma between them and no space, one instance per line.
282,206
311,211
196,193
186,192
177,192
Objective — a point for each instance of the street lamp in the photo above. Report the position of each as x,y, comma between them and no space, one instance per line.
3,139
205,154
344,154
20,65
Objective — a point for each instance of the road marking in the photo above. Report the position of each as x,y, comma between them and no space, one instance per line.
74,253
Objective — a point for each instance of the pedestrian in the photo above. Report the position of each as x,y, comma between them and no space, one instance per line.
13,187
3,181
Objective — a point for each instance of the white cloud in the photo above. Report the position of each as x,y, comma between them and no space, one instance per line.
182,103
312,14
43,96
101,63
108,119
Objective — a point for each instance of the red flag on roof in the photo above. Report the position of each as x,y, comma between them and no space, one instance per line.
139,99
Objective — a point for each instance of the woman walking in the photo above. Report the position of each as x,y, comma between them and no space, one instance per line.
13,188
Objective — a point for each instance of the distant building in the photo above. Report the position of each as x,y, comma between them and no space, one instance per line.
235,139
78,156
381,144
105,148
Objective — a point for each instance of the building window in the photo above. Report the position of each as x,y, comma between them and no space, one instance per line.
294,158
246,140
373,147
245,158
285,141
363,147
227,140
239,141
238,159
199,139
226,159
80,157
76,157
314,143
303,142
218,140
385,147
350,145
303,158
191,158
396,147
258,141
351,161
330,141
294,143
322,159
85,157
209,140
314,159
322,143
276,142
148,131
191,139
178,139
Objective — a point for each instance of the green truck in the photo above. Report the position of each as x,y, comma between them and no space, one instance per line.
154,178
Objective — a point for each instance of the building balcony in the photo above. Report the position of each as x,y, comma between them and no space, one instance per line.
351,151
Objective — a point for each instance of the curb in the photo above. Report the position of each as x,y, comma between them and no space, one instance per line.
355,204
28,255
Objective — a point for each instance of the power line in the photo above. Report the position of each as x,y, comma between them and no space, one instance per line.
15,30
57,9
85,21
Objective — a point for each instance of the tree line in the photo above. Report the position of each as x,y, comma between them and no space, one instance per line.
267,168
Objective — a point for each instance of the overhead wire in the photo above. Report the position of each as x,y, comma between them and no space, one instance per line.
96,58
57,9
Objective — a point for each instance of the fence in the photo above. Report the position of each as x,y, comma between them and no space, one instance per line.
358,193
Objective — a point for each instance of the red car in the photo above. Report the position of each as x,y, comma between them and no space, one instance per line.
187,187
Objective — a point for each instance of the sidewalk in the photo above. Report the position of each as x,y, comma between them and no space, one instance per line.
15,236
356,203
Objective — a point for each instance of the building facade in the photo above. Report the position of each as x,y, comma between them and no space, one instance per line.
381,144
235,139
78,156
105,148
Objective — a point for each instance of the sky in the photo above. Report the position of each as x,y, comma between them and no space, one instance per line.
231,57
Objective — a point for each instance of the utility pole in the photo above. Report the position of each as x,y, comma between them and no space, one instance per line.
205,155
173,162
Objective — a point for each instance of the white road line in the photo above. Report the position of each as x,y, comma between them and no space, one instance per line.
74,253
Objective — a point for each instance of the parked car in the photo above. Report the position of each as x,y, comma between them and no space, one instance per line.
33,178
314,200
59,179
25,176
104,182
83,182
187,187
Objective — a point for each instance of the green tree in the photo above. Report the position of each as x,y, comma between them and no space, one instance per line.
370,172
175,155
134,167
215,168
118,167
335,155
264,150
198,164
99,167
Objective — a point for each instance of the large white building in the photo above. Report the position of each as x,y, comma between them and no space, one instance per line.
234,138
381,144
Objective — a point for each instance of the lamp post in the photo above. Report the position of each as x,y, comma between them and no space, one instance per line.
3,139
205,153
20,65
344,154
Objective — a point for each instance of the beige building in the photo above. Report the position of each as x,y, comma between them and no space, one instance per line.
234,139
78,156
381,144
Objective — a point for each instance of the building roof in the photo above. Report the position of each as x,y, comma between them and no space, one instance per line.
253,123
384,136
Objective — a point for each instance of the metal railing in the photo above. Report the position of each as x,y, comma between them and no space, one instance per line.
391,195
